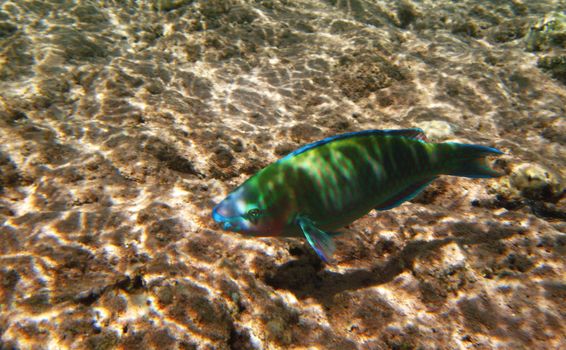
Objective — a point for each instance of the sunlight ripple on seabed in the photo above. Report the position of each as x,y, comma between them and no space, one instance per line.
122,124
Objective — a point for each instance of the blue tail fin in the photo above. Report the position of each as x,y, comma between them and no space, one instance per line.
468,160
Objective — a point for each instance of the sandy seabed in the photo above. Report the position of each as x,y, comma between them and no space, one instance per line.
122,123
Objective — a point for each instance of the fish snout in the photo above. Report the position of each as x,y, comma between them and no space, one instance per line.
223,216
217,215
224,211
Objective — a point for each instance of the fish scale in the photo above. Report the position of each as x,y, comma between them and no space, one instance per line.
328,184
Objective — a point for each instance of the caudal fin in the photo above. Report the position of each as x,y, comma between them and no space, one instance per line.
468,160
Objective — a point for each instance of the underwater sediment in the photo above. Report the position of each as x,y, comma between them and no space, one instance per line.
123,123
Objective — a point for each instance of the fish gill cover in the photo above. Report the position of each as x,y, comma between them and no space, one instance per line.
123,123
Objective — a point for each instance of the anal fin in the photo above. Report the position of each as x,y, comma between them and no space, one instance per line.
406,194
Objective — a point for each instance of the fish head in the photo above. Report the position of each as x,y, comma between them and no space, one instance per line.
242,211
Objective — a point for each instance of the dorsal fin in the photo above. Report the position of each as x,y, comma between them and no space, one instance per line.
415,133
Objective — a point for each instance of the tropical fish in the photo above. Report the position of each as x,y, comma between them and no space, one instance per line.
328,184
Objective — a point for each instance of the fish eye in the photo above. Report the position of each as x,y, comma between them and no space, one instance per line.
254,214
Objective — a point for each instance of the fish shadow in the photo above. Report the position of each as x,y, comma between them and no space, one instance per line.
307,278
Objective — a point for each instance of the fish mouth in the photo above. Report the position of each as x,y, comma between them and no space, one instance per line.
227,223
218,217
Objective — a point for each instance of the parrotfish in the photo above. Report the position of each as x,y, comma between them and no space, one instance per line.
328,184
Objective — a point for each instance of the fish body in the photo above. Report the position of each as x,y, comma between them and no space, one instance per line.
328,184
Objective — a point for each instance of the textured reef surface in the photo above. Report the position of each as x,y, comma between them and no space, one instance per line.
122,123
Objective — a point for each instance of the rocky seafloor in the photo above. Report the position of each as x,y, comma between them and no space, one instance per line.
122,123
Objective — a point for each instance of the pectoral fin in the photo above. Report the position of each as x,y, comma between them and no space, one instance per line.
319,240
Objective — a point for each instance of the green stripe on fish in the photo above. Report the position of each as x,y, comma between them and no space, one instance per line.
328,184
